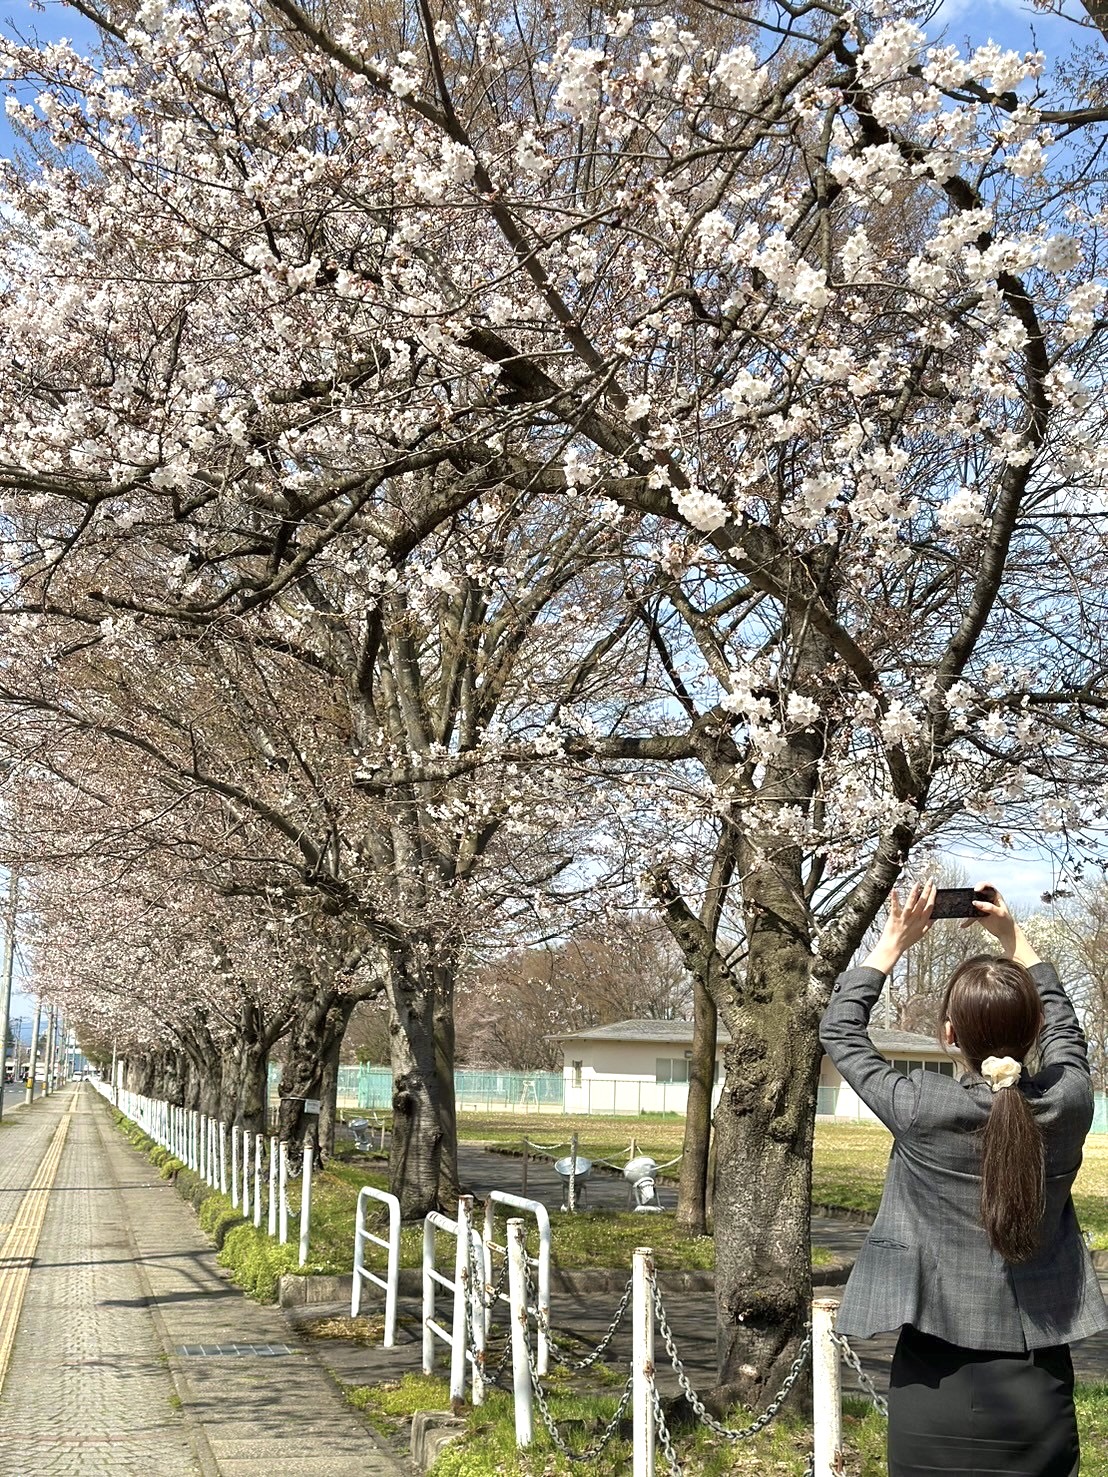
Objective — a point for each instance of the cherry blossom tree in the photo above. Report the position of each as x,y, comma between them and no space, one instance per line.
797,319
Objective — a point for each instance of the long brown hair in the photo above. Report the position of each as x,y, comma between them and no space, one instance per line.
993,1006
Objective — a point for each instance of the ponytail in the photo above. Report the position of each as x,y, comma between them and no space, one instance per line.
1013,1177
994,1008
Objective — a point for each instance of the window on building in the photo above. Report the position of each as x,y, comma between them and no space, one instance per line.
944,1069
577,1073
671,1069
902,1064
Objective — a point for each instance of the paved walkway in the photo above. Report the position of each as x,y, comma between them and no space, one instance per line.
133,1355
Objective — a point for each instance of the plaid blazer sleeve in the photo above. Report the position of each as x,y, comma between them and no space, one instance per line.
845,1036
1061,1040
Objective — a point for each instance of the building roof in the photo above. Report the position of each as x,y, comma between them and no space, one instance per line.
680,1033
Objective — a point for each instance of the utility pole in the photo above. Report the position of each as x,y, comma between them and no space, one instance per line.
16,1028
34,1054
6,985
51,1051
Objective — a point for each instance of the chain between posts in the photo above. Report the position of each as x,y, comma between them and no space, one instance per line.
880,1404
590,1453
476,1273
575,1366
700,1409
491,1291
662,1432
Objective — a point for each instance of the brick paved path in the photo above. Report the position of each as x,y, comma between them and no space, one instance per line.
123,1281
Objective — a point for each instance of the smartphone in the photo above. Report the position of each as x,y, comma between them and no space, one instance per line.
957,902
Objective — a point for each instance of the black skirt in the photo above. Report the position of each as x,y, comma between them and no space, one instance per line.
976,1413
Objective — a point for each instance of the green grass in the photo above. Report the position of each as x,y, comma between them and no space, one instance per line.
598,1239
848,1166
488,1444
849,1170
598,1138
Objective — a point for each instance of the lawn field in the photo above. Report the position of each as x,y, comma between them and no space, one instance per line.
848,1165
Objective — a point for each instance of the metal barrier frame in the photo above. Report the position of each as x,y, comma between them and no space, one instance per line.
468,1244
542,1262
392,1245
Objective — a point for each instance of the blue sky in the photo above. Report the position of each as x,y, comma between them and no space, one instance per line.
1023,875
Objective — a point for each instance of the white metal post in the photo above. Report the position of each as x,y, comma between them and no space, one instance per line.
428,1296
476,1293
283,1193
246,1174
222,1158
202,1146
272,1226
571,1188
234,1166
306,1203
258,1179
517,1302
642,1362
461,1285
827,1400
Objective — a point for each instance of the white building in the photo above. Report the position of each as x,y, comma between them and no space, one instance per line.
643,1067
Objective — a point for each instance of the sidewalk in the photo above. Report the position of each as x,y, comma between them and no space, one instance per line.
135,1356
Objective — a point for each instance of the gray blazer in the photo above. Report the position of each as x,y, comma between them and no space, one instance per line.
927,1260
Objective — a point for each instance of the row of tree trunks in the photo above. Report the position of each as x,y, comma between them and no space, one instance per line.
231,1082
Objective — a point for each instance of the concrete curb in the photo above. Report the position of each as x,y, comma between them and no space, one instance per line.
432,1430
297,1291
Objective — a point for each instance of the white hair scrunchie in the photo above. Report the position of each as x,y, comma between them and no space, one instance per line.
1001,1071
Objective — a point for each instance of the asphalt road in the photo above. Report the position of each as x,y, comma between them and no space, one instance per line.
13,1095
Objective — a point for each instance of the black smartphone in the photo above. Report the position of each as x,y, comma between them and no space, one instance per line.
957,902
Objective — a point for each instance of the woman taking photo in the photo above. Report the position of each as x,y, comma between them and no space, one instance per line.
975,1255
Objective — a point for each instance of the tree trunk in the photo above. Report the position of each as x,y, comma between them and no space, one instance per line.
764,1122
448,1111
692,1193
762,1206
253,1068
338,1018
416,1153
303,1071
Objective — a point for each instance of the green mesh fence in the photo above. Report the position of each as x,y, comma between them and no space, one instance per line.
370,1087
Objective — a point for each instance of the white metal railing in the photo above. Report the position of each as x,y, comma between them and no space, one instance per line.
200,1141
468,1307
541,1263
390,1282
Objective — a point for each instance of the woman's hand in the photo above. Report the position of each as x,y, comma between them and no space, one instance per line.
995,918
906,925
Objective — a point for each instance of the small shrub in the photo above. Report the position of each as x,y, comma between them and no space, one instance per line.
255,1262
219,1218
